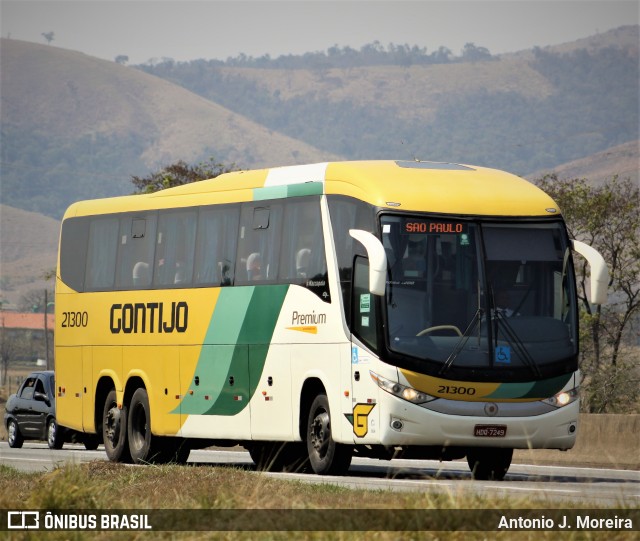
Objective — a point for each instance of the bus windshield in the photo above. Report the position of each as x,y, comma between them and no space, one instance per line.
479,299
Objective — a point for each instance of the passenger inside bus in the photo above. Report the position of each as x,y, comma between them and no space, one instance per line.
141,274
254,267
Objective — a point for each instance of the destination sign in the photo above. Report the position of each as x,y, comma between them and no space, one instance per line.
429,226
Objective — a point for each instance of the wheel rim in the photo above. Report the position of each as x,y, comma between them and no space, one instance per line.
51,433
112,425
12,432
138,426
320,433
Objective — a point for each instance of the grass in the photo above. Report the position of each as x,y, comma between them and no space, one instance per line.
259,502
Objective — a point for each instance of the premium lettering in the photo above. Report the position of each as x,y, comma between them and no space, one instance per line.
150,317
308,319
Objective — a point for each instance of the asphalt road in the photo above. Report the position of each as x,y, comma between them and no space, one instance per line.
555,485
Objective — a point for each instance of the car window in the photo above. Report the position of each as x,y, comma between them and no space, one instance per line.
27,388
40,387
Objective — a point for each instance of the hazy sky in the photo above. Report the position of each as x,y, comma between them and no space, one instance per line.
191,29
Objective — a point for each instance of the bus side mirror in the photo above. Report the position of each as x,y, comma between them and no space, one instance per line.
377,260
599,271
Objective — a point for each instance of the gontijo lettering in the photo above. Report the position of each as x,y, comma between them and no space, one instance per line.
150,317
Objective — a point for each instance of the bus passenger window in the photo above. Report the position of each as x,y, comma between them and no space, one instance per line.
216,245
101,255
135,252
303,259
259,243
175,248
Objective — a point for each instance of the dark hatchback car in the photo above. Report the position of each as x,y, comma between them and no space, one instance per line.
31,415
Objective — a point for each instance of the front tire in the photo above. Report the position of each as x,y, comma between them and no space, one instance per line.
15,438
489,464
54,435
325,455
114,430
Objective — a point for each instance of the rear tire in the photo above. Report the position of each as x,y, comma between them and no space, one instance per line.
325,455
489,463
114,430
13,435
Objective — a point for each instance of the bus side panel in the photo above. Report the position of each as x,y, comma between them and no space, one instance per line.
271,405
107,363
88,395
215,400
159,368
69,389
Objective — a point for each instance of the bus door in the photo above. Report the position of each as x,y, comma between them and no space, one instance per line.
364,392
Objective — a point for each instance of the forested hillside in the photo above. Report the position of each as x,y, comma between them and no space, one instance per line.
76,127
518,112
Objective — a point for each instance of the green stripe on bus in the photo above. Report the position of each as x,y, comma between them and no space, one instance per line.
288,190
533,389
235,350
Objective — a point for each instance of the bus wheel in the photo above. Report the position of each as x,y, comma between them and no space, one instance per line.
54,435
139,428
114,430
489,464
325,455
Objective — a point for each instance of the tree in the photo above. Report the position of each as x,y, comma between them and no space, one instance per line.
180,173
606,217
49,36
122,59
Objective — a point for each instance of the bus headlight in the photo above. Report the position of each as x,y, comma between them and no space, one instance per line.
563,398
401,391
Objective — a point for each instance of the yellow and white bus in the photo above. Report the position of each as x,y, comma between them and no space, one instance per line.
310,313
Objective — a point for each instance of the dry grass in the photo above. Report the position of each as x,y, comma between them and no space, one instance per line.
246,495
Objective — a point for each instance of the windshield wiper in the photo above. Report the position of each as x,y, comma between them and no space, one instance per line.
462,342
514,340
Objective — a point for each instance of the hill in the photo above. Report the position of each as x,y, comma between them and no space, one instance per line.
521,112
622,160
29,244
74,126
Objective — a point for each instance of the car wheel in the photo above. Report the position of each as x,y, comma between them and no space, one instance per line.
54,435
15,438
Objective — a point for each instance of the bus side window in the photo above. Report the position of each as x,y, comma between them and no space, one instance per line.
175,248
364,305
216,245
101,254
303,260
135,252
259,244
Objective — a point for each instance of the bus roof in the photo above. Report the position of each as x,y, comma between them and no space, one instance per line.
445,188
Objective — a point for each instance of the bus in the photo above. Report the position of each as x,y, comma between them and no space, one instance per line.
313,313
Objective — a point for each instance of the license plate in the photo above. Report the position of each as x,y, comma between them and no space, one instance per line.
490,431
